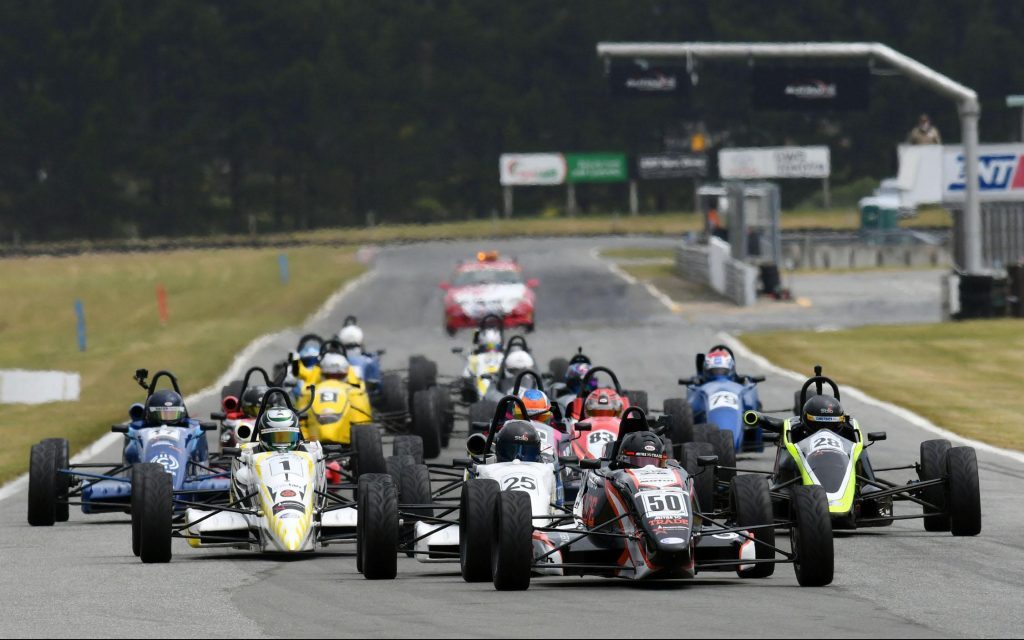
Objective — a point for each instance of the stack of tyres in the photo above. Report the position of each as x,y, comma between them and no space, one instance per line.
1015,274
982,296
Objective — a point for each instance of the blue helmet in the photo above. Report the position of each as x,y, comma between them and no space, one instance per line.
574,377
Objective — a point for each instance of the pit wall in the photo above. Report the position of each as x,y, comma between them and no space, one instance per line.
712,266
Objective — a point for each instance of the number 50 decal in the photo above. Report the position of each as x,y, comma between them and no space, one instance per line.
664,503
525,483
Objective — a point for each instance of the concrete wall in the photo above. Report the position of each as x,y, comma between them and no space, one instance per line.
711,266
809,255
18,386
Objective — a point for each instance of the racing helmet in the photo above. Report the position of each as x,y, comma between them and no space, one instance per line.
252,399
517,362
279,429
574,376
823,412
517,440
333,366
309,353
165,407
719,364
603,402
351,336
489,340
641,449
538,407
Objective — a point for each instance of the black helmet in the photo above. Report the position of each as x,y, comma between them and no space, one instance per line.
823,412
640,449
251,400
517,440
165,407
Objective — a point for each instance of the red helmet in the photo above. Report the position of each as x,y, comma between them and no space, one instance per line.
603,402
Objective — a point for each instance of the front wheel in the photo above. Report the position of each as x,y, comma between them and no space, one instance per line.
811,536
933,467
679,414
963,495
427,421
368,451
377,527
512,541
43,481
476,524
752,506
152,511
703,477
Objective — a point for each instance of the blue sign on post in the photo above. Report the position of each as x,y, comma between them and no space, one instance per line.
80,312
282,263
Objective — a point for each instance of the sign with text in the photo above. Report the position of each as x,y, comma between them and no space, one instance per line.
521,169
774,162
1000,172
637,80
811,88
596,167
663,166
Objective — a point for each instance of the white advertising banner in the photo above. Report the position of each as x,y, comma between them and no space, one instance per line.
1000,173
519,169
774,162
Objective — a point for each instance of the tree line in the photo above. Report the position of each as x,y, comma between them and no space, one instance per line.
174,117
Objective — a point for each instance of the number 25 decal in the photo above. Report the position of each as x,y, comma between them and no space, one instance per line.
521,482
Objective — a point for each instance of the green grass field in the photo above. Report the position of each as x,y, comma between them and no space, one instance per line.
967,377
218,301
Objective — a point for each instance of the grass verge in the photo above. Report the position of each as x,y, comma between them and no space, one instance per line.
963,376
218,302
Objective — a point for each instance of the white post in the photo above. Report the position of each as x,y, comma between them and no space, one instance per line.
570,200
969,113
634,198
508,202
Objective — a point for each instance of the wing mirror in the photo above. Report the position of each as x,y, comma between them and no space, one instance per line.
476,444
462,463
768,436
583,426
119,428
333,449
568,459
457,350
208,426
231,452
707,461
590,463
875,436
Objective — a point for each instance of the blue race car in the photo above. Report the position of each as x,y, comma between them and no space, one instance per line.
159,436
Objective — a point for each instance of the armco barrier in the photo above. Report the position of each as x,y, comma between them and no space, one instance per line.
711,266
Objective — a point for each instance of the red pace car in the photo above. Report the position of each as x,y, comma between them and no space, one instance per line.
489,285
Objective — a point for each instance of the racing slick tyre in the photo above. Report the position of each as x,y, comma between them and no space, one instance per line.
703,477
395,465
363,480
426,421
405,445
415,490
752,506
377,528
476,522
367,449
63,481
393,397
152,511
43,484
482,411
963,493
512,541
811,536
558,367
637,399
447,416
933,467
680,424
726,452
422,374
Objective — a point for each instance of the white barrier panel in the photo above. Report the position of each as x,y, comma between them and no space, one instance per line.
774,162
517,169
18,386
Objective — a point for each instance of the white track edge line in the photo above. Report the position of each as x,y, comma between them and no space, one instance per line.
917,420
234,371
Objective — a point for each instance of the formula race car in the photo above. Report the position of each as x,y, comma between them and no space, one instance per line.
826,447
636,517
159,435
489,285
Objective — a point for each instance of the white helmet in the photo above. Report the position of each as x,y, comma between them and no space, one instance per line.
333,364
518,361
351,336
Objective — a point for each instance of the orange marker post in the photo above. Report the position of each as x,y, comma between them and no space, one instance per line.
161,303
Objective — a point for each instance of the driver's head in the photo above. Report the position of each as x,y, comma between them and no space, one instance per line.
309,353
719,364
574,376
333,366
351,337
641,449
165,407
538,407
489,339
517,362
279,429
603,403
822,412
517,440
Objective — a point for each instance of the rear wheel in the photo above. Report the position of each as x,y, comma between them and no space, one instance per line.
703,477
422,374
43,469
426,421
408,445
476,521
395,466
512,541
558,367
726,452
393,397
482,411
680,423
368,452
933,467
377,525
415,490
637,399
963,497
752,506
152,510
811,536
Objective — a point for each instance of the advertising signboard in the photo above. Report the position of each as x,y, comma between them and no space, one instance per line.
521,169
810,88
662,166
596,167
1000,173
774,162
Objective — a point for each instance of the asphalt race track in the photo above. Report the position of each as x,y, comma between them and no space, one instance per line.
80,578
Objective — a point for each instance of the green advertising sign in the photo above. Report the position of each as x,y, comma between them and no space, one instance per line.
596,167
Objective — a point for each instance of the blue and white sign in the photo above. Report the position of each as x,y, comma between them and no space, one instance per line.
1000,173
